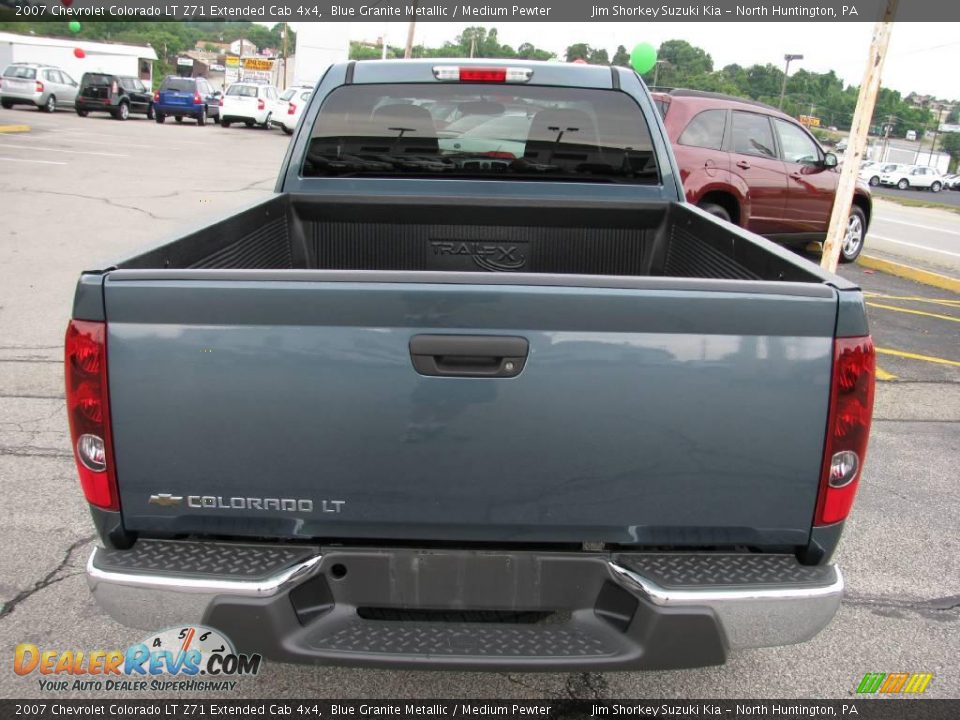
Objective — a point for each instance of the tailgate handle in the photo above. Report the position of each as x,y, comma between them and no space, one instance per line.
487,356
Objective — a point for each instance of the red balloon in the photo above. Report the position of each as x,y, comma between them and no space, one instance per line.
66,3
79,53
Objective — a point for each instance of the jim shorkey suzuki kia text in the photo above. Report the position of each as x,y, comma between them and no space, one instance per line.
475,388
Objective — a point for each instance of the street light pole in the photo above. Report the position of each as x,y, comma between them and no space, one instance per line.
786,71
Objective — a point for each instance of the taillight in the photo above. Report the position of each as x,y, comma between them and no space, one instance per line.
291,109
482,74
848,427
88,409
39,86
156,96
220,102
261,104
197,100
500,154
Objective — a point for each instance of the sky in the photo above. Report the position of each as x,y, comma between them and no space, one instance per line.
923,57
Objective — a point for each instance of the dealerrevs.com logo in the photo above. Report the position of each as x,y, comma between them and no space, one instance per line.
191,658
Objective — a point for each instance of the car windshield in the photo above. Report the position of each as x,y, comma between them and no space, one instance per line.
242,91
178,84
20,72
501,131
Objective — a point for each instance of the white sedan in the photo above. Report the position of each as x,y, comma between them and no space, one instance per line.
914,176
870,172
290,107
249,103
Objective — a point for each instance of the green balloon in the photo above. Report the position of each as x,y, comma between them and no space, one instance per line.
74,26
643,58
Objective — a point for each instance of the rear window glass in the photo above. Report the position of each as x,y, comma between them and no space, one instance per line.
515,132
18,71
97,79
287,94
179,84
242,91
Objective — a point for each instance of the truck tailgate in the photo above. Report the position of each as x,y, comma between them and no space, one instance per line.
673,412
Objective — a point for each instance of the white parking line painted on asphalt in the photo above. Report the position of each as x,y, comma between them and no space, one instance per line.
100,135
914,245
38,162
921,227
60,150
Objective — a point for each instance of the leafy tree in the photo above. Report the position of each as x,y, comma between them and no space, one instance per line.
621,57
954,116
598,56
578,51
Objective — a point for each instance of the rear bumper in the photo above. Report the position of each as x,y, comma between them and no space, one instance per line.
184,110
25,98
469,609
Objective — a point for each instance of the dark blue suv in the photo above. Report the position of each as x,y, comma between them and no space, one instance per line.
186,97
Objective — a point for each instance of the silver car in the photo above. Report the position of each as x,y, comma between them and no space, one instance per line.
44,86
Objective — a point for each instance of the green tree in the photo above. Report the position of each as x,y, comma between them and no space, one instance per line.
598,56
954,116
578,51
621,57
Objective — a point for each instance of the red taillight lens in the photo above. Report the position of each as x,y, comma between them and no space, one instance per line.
848,427
483,74
156,96
500,154
197,100
261,104
220,102
39,86
291,109
88,408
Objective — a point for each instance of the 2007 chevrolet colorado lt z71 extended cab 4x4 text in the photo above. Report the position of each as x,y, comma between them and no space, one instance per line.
478,394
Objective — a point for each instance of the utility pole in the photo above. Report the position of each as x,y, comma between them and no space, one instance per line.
886,137
869,88
383,54
786,71
656,71
283,85
408,52
473,44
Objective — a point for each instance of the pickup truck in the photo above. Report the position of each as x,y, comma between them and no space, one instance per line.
488,408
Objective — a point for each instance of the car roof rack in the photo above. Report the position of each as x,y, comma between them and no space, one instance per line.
684,92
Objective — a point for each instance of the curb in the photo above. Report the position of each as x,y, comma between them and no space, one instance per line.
925,277
14,128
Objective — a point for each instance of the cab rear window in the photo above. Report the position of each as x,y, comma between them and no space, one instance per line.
483,131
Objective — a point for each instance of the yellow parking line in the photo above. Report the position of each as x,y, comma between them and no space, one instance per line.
911,298
944,282
884,375
14,128
914,356
913,312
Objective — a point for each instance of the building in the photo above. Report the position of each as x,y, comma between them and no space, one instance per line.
319,45
242,48
132,60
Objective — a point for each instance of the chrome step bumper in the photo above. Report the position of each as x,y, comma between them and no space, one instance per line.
606,611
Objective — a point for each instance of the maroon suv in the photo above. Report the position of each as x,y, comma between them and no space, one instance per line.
752,165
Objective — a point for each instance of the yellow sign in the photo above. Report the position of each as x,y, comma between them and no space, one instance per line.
810,121
233,61
257,64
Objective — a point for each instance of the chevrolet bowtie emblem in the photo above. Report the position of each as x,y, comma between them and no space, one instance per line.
166,500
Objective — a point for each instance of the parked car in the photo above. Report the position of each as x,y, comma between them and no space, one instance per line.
44,86
497,137
182,97
913,176
249,103
951,181
119,95
871,174
752,165
350,476
289,107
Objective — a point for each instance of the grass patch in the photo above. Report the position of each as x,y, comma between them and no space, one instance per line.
910,202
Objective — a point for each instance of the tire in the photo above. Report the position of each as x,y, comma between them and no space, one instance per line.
178,118
266,121
122,112
856,233
159,117
248,123
6,104
936,187
82,113
874,181
714,209
202,118
51,105
904,184
224,123
150,112
288,131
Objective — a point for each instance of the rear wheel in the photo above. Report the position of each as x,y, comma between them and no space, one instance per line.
248,123
936,187
178,118
51,105
288,131
874,181
159,117
202,117
82,113
853,240
266,122
716,210
224,123
903,184
6,104
150,112
122,112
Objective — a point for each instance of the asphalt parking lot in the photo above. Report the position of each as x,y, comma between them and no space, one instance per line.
76,191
